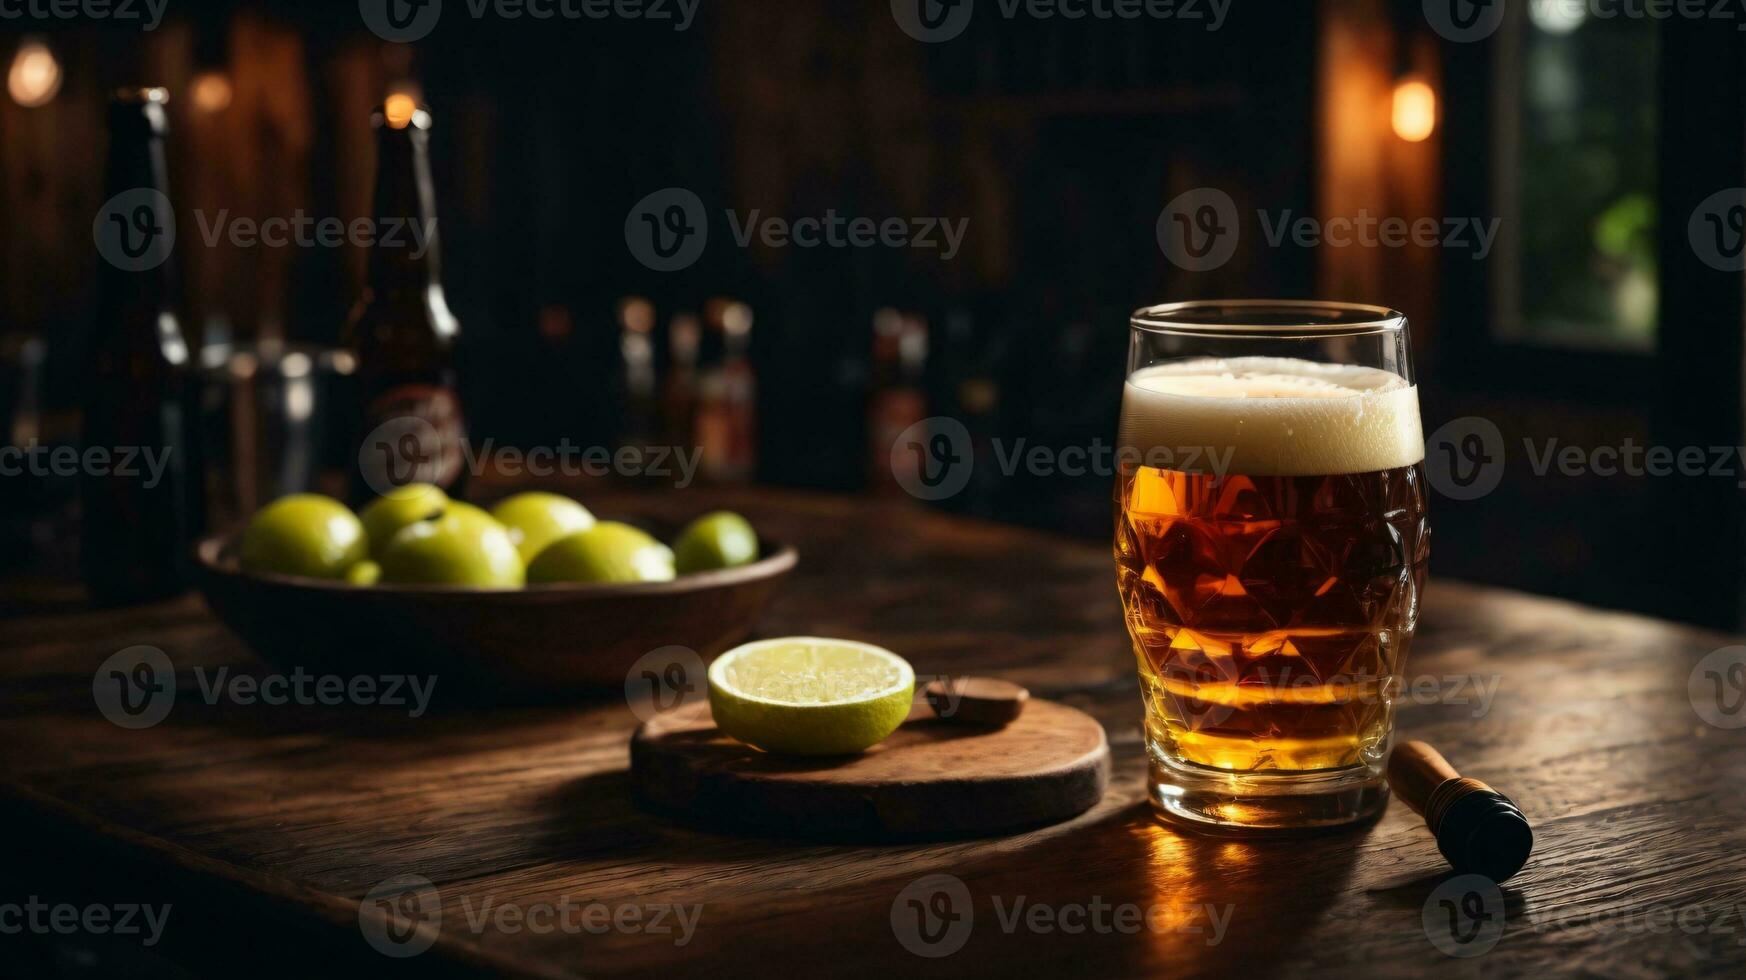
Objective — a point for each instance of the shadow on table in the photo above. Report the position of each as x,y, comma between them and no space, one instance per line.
1111,895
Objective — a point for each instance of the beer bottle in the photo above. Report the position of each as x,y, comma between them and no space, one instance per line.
137,476
637,392
412,429
726,422
897,401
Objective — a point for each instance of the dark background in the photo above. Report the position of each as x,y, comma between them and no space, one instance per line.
1593,322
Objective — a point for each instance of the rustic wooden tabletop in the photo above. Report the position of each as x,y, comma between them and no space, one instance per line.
512,833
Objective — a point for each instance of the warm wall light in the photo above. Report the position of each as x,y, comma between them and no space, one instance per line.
1415,110
398,110
212,91
35,76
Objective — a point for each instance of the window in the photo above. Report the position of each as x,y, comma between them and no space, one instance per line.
1576,181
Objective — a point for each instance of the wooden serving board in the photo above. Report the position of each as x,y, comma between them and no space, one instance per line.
930,779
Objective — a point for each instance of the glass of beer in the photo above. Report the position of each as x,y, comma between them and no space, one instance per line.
1270,546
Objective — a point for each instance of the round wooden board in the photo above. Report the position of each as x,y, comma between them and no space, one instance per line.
929,779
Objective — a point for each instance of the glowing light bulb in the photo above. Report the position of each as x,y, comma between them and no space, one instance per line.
212,92
399,110
1415,110
35,75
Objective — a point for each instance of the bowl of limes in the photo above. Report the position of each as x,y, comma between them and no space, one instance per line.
533,596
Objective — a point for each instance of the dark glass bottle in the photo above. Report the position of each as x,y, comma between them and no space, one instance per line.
726,419
139,510
412,429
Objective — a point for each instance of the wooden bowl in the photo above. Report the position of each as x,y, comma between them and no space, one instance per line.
540,641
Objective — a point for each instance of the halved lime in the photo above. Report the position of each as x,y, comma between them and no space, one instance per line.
807,695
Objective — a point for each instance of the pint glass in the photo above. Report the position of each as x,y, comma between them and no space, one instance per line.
1270,546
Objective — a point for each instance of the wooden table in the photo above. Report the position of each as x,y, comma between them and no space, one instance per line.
265,826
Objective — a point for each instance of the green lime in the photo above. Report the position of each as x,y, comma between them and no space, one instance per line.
535,520
469,512
723,539
304,534
387,514
607,552
364,573
460,546
806,695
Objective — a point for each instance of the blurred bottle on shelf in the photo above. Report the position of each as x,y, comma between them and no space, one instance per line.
726,415
641,422
896,399
138,485
679,392
22,358
412,428
26,499
969,387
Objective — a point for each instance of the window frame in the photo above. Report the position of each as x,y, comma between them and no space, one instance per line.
1689,385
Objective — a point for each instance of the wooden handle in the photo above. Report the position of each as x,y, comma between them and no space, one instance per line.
1415,771
1477,828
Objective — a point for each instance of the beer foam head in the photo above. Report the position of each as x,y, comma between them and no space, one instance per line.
1274,416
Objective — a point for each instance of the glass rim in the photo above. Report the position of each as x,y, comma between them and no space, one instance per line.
1295,319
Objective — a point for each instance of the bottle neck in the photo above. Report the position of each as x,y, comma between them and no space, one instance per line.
136,177
404,259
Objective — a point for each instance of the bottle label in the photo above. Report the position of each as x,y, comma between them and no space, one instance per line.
414,434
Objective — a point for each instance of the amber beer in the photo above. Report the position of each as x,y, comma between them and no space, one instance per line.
136,530
412,428
1271,589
